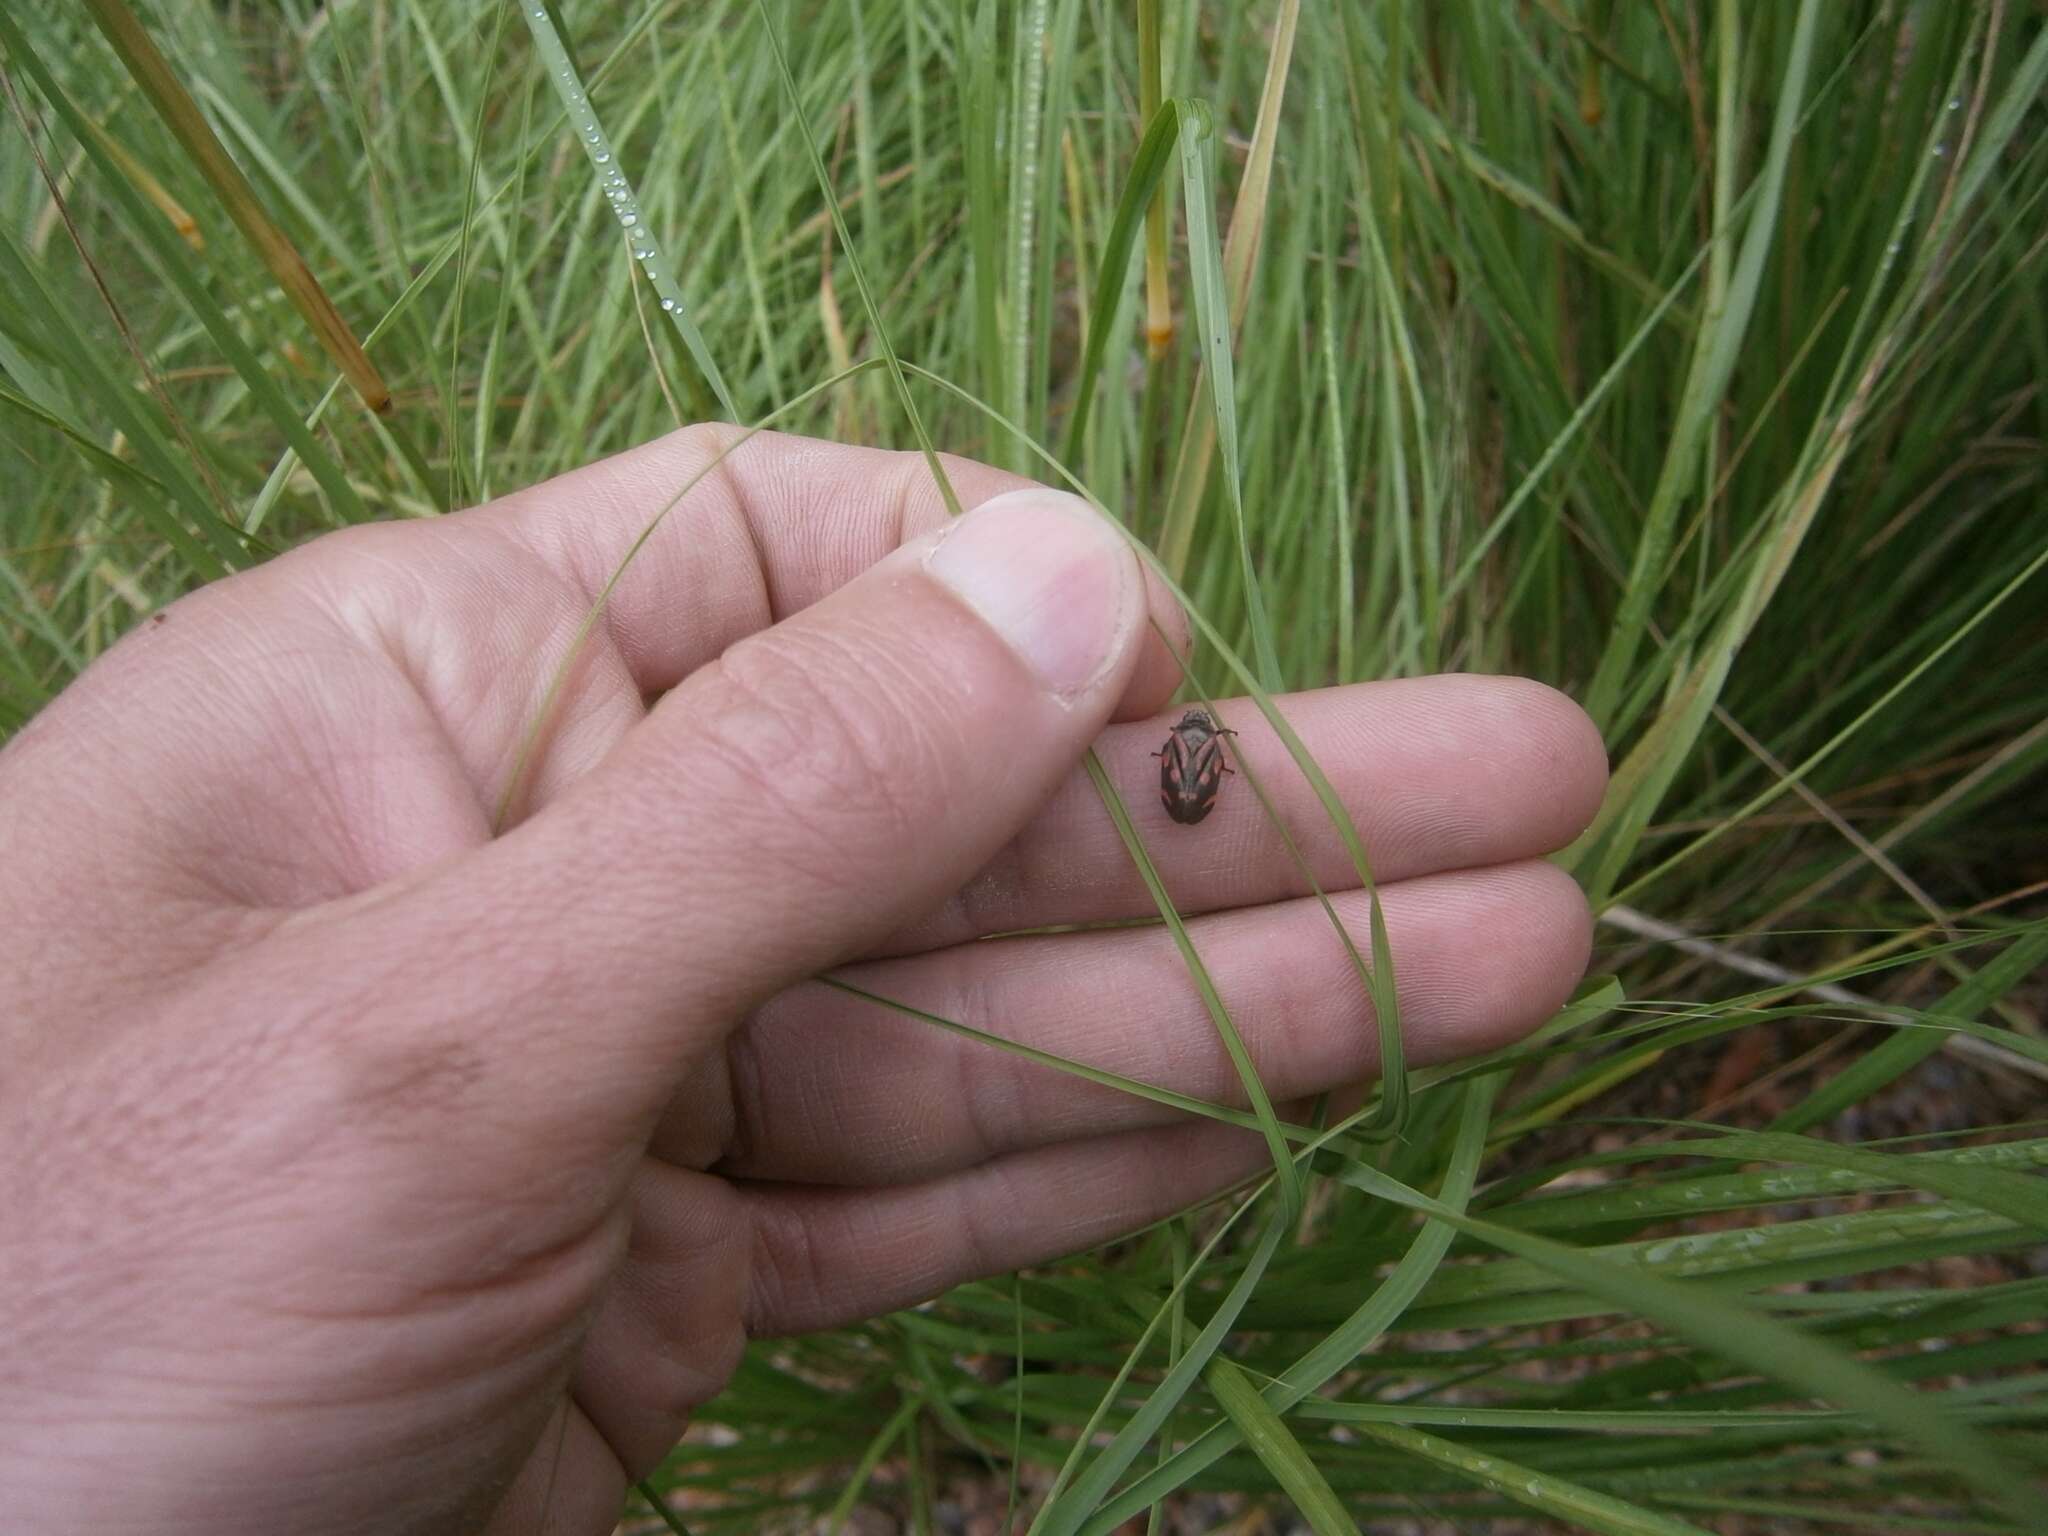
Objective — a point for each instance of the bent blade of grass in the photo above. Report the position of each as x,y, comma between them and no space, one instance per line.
1155,1412
1278,1450
1226,1031
1113,1392
1351,1338
1102,1077
1385,998
853,261
1241,249
1393,1106
1064,1514
1148,169
1213,324
530,739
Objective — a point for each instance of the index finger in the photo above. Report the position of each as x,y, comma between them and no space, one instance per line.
745,540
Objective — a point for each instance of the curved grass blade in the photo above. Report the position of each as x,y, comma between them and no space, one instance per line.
1167,1097
853,262
1393,1106
529,743
1341,1348
1276,1447
1386,1002
1212,319
1262,1103
1063,1515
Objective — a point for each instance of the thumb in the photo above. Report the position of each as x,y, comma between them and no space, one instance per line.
819,786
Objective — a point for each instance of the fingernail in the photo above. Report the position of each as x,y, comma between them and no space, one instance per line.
1051,576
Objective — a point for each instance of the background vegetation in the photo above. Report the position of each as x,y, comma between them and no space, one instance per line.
1687,355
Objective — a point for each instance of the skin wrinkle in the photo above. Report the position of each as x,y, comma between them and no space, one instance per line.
779,1249
798,768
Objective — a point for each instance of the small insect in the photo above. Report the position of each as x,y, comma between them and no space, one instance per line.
1191,767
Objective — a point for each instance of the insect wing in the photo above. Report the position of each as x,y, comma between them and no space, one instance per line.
1176,768
1191,770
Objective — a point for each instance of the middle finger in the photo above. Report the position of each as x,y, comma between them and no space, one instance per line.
827,1088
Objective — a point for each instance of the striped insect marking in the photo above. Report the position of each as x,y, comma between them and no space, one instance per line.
1191,767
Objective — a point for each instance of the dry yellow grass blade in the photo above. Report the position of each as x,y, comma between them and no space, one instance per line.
151,71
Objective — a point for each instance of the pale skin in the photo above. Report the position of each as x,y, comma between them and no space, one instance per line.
373,1168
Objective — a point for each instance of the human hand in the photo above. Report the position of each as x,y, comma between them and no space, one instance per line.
371,1170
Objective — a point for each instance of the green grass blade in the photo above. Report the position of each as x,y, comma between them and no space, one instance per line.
1738,1333
620,198
1282,1454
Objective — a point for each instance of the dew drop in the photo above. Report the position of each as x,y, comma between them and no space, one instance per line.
629,219
603,158
668,304
1955,103
1940,150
